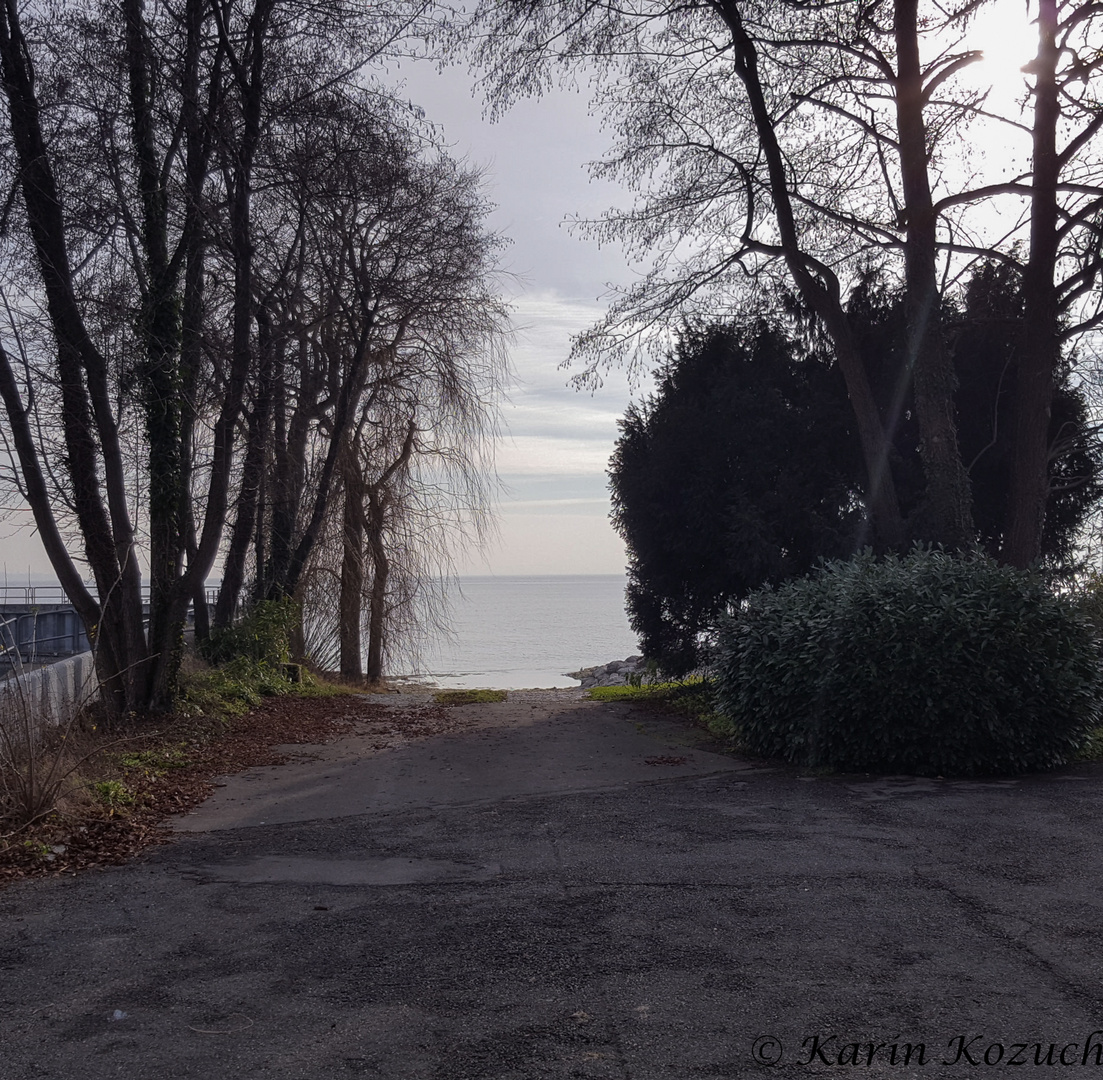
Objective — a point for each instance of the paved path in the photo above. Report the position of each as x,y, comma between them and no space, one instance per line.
534,899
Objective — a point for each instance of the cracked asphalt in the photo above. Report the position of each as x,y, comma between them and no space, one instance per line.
574,890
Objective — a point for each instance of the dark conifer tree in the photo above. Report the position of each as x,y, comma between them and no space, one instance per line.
743,468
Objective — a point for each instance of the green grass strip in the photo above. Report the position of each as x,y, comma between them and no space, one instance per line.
468,697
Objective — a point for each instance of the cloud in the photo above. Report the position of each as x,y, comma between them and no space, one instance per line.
556,443
542,543
561,453
551,426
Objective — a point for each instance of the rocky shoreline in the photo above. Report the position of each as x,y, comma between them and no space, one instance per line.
615,673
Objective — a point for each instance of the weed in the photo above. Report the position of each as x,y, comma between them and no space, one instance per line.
113,793
38,757
156,762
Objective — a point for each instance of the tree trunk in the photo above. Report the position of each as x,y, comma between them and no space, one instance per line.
287,484
159,331
94,458
197,154
381,568
380,498
252,477
1040,353
352,570
947,516
819,289
249,75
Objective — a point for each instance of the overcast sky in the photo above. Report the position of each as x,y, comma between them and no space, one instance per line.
554,518
554,513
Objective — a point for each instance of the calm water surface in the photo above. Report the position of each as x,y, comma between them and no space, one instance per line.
514,632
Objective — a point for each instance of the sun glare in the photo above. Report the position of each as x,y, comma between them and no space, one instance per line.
1006,33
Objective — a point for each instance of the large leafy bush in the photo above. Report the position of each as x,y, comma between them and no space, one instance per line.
929,664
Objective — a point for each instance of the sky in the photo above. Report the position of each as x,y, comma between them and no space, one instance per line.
554,506
554,512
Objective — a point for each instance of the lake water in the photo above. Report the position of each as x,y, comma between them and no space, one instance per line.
515,632
518,632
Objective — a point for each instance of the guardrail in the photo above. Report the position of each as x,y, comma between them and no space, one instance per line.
31,595
63,682
38,625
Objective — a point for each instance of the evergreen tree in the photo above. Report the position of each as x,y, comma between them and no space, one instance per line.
744,468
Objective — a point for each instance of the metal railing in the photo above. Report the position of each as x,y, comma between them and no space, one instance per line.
20,654
54,595
32,595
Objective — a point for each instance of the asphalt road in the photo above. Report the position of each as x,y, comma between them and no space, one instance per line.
574,890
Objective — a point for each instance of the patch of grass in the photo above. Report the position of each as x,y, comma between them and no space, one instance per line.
315,686
234,688
468,697
156,762
240,685
687,694
692,697
623,693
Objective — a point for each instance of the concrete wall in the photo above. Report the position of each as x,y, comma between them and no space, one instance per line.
54,691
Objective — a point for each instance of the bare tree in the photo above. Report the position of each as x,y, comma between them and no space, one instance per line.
371,246
418,487
841,141
382,352
134,135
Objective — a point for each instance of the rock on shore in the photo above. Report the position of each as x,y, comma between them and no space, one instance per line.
614,673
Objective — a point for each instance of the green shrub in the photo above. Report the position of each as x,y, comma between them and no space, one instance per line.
930,664
262,635
1088,597
1092,747
234,688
